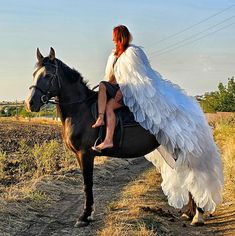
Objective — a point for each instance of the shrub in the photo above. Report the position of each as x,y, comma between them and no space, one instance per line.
46,157
2,163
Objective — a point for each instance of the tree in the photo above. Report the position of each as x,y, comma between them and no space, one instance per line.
222,100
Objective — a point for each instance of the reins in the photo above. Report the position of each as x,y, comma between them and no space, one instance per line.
56,102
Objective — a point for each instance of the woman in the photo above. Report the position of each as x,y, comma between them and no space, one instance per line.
175,119
109,90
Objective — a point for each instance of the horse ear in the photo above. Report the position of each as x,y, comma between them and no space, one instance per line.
39,55
52,54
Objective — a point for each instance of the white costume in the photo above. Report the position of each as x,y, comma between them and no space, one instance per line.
180,127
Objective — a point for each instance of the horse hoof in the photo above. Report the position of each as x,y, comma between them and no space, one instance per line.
91,217
197,223
185,217
80,224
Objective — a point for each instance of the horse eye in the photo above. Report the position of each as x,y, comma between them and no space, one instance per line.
47,76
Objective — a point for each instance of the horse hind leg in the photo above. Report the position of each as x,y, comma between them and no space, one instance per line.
198,218
190,210
193,213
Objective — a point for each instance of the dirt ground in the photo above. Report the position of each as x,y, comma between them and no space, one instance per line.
57,212
12,132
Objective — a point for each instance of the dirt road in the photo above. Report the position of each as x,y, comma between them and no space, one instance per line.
58,214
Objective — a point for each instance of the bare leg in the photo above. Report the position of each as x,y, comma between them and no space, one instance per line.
102,100
111,120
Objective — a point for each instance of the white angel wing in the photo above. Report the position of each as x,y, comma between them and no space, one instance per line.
178,123
109,66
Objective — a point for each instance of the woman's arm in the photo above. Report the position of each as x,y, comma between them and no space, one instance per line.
112,79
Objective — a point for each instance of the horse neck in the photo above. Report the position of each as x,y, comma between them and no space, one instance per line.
72,87
73,91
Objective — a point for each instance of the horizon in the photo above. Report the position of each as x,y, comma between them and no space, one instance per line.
196,56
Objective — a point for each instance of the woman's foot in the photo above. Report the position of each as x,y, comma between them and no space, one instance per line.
99,122
102,146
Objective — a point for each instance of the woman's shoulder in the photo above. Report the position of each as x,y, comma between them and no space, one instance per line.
111,55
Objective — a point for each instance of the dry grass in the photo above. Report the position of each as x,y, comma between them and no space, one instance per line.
36,120
20,172
125,215
101,160
127,230
224,134
26,191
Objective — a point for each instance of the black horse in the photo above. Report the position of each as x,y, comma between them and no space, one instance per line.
52,78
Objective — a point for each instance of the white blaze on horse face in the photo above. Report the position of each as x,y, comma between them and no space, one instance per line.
36,75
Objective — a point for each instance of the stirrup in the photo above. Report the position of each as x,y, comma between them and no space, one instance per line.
94,148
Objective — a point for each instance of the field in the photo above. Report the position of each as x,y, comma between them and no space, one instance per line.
41,190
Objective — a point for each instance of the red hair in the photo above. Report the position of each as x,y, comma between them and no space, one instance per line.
122,37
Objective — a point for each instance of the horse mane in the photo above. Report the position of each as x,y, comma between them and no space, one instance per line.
72,75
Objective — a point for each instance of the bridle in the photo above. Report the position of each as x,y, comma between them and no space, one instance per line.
46,95
45,98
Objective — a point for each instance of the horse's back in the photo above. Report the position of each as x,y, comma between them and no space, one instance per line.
135,141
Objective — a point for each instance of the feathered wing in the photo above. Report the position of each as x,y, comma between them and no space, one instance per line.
109,67
180,127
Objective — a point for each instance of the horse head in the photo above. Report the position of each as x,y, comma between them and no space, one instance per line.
46,81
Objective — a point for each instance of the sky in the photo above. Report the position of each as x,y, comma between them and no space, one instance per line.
81,34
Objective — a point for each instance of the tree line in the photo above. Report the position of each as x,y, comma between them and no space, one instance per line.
12,109
222,100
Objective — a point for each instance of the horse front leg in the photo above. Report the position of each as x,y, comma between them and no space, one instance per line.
86,161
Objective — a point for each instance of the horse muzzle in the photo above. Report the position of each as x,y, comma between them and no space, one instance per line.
33,102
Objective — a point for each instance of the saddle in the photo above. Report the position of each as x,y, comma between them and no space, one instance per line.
124,118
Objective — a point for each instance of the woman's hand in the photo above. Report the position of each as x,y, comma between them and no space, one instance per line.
118,96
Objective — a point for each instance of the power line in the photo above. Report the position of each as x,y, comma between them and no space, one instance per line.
190,37
190,27
204,36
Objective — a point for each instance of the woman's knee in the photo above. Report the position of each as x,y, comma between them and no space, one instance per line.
102,86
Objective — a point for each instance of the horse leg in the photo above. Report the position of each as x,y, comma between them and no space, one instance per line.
86,161
190,209
193,213
198,218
